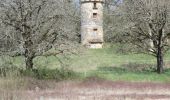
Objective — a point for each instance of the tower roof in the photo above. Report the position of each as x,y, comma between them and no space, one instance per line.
84,1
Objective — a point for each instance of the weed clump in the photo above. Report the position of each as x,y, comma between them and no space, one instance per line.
9,71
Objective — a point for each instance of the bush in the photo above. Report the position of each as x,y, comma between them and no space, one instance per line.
45,73
136,67
124,48
38,73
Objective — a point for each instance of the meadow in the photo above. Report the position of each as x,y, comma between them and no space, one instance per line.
90,66
107,63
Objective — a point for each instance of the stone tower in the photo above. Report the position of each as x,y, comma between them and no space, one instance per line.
92,23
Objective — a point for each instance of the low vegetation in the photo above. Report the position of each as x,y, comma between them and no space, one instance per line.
107,63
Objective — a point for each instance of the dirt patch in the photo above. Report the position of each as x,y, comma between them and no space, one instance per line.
97,89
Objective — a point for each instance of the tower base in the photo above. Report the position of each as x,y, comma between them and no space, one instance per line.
95,46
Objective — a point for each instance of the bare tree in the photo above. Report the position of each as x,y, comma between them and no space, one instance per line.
111,19
146,25
37,26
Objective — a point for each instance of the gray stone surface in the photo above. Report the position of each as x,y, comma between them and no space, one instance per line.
92,23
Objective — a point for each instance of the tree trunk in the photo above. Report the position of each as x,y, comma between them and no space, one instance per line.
159,53
29,62
29,54
159,61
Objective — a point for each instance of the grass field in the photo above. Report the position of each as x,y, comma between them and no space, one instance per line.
101,66
105,63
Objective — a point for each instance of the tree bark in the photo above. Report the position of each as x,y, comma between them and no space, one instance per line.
29,62
29,54
159,61
159,53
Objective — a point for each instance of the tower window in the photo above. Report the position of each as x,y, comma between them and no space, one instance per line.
95,32
95,29
95,6
94,15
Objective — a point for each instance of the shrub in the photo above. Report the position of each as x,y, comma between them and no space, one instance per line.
38,73
45,73
136,67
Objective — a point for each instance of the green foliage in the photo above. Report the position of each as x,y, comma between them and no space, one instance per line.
136,67
7,69
124,48
45,73
38,73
